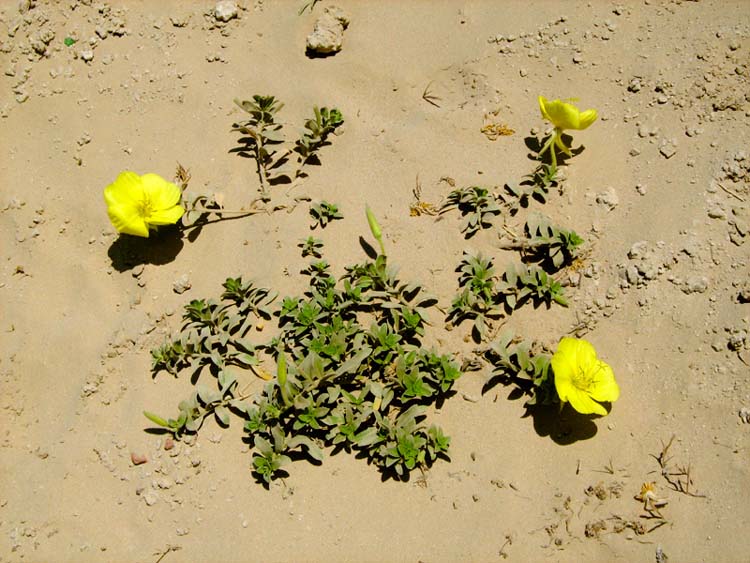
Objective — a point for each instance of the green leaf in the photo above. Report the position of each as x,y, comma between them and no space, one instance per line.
156,419
207,395
226,379
367,437
262,445
222,415
352,364
312,448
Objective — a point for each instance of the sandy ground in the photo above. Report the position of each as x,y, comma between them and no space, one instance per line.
660,193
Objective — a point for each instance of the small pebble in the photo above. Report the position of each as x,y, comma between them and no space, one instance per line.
716,212
668,149
138,459
182,284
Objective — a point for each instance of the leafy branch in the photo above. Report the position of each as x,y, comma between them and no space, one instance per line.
278,159
485,296
523,363
352,372
550,246
478,205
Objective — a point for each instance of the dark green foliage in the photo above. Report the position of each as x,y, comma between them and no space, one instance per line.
351,370
277,158
477,298
535,186
484,296
213,331
214,335
478,206
521,283
316,135
523,364
311,246
323,213
550,246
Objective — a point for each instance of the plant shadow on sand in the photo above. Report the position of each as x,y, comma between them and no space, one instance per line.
128,251
535,144
564,427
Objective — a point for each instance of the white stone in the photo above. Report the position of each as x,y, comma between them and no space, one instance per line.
225,10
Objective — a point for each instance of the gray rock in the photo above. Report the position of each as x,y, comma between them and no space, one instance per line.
608,198
638,249
225,10
182,284
695,284
328,33
715,211
179,21
649,269
87,55
634,85
631,274
150,498
668,149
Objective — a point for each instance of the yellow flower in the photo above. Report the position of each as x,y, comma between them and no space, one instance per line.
563,116
136,204
581,378
566,116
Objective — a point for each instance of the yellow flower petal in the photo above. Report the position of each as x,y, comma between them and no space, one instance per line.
606,388
581,378
161,194
127,219
543,107
561,145
587,118
166,217
127,187
564,359
564,115
584,404
135,203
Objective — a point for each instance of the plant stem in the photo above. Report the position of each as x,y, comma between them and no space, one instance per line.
222,211
261,165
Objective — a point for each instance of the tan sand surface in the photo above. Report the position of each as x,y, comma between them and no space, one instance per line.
661,195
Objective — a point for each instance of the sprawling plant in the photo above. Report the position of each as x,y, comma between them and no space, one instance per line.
550,246
485,296
351,371
477,205
524,364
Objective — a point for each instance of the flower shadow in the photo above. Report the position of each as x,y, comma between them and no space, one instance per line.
562,427
162,247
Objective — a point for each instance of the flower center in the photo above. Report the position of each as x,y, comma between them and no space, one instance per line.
145,208
584,379
581,380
